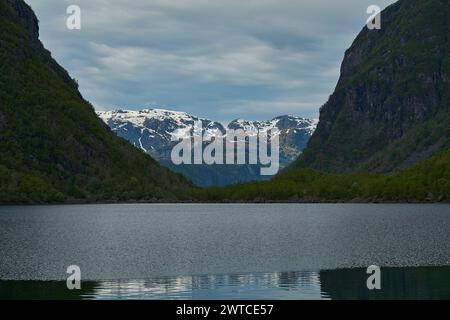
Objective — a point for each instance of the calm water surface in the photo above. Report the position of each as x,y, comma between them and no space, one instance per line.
276,251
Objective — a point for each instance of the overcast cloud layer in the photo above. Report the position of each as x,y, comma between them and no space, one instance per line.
221,59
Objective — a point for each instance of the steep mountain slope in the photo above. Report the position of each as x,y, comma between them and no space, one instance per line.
391,106
152,129
52,144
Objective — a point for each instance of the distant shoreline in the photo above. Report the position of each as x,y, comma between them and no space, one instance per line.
86,202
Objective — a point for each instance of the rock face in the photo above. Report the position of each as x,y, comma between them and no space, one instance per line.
28,17
151,130
390,107
53,147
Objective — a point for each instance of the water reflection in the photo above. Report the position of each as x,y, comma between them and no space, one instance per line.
397,283
282,285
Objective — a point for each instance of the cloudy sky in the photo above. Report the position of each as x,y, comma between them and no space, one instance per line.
220,59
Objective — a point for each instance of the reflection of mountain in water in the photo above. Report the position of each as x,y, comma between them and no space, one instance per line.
397,283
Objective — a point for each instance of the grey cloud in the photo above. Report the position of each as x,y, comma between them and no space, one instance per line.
217,59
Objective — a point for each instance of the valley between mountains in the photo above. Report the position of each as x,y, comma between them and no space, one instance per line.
153,131
384,134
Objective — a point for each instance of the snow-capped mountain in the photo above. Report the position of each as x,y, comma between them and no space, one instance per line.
153,131
306,126
294,131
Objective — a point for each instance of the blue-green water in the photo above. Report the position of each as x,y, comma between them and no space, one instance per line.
181,251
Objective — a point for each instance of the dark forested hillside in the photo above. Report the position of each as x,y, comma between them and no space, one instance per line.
428,180
391,106
53,147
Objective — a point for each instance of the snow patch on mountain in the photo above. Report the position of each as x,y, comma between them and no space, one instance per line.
156,131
